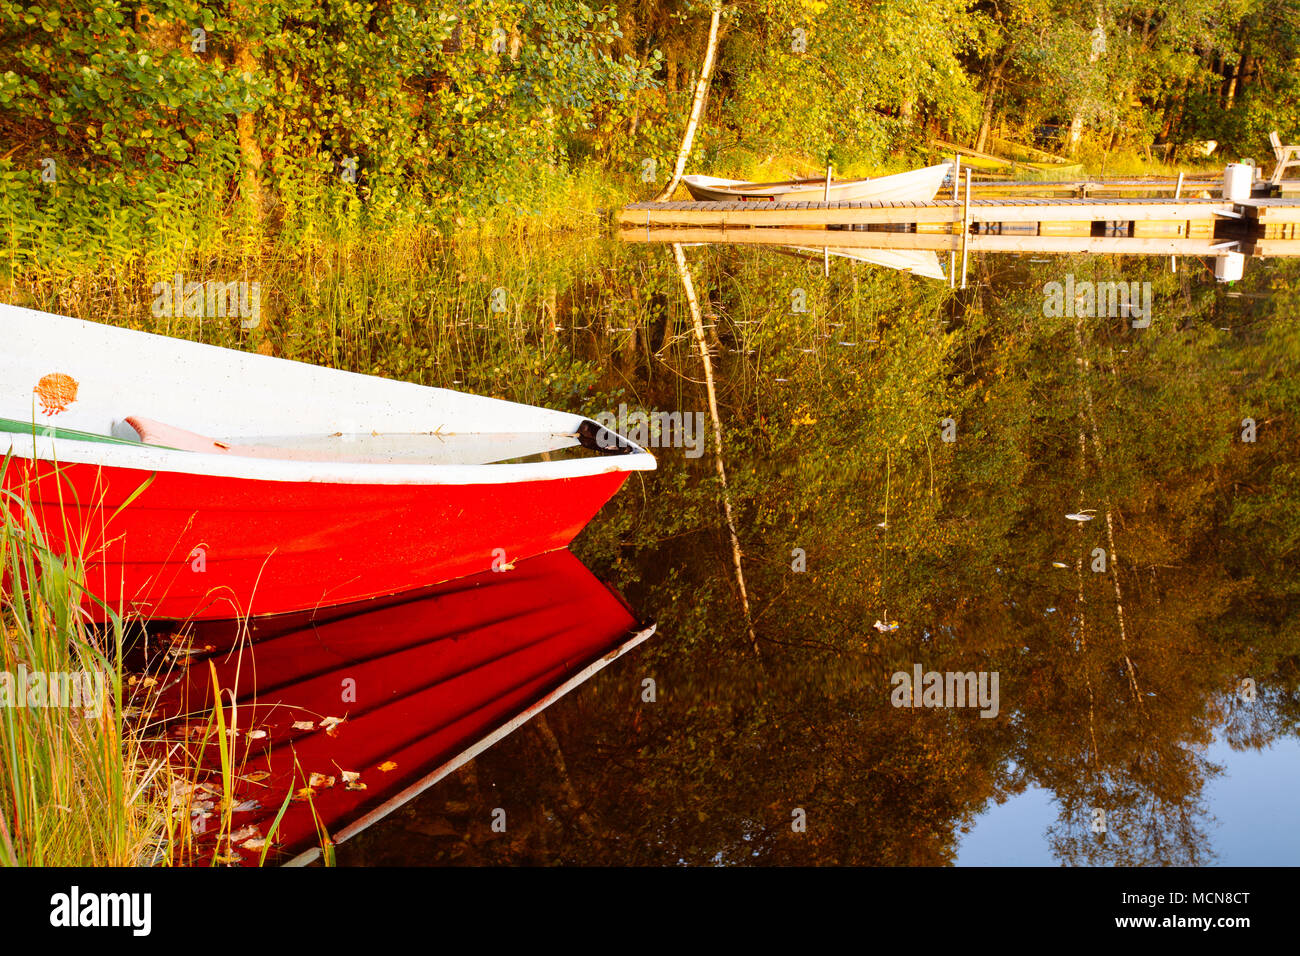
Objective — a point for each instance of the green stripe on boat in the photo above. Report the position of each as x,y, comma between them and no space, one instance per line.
71,434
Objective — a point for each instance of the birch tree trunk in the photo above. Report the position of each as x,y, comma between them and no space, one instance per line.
697,105
1098,47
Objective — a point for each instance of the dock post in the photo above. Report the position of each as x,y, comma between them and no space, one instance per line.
965,229
1178,194
952,256
826,197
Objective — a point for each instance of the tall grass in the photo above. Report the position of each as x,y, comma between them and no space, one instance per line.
76,787
99,783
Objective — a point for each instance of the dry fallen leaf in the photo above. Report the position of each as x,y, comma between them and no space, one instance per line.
303,725
320,780
329,724
353,780
386,766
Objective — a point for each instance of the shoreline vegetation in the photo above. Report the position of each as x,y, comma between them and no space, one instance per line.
98,778
90,777
75,787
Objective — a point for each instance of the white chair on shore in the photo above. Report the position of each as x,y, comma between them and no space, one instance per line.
1286,156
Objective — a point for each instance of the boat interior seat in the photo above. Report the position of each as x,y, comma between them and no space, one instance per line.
152,432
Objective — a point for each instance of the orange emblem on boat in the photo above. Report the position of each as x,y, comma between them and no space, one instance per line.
56,392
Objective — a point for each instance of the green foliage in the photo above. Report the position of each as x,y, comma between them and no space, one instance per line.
1137,74
851,77
296,115
447,101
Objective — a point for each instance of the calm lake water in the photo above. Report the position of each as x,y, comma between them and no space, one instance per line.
920,480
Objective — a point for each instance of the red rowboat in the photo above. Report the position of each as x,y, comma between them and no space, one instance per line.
200,482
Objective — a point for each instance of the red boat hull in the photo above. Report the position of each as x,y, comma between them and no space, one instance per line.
209,547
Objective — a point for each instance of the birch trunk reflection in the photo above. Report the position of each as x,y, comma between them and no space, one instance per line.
693,303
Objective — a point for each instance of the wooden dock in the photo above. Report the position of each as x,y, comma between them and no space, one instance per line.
1096,188
1145,217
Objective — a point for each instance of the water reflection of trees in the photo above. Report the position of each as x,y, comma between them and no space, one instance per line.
1101,717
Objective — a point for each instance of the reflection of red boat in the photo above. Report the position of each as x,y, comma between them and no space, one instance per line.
307,486
438,678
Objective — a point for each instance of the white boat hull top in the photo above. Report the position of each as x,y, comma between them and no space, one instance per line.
917,185
88,377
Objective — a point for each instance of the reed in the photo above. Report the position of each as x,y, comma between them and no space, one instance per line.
92,778
76,785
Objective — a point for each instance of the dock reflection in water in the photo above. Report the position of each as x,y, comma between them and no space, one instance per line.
360,709
918,253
